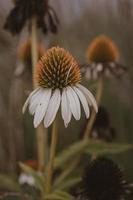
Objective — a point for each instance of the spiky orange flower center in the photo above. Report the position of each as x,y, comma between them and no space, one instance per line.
57,69
102,49
24,52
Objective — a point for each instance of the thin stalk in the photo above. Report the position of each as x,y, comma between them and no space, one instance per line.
49,174
93,114
66,172
41,133
34,51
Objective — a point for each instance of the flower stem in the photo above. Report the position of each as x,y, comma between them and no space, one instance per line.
66,172
34,48
41,133
93,114
51,159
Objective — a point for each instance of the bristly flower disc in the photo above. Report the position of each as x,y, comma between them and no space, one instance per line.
57,69
58,75
102,180
103,50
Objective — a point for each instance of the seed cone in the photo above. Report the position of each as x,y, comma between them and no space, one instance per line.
24,52
57,69
102,49
102,180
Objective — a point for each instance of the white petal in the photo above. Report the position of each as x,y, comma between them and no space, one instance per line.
89,96
99,67
52,109
65,108
74,103
34,101
42,107
31,180
83,101
88,74
28,99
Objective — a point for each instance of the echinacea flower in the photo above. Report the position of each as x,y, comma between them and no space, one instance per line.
103,180
24,56
24,10
58,78
26,179
103,57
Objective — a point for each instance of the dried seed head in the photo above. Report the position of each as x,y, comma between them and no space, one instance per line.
24,52
102,180
46,17
57,69
102,49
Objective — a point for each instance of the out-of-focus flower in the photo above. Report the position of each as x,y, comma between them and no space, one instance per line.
26,179
102,128
103,56
24,10
24,52
103,180
24,56
58,78
32,163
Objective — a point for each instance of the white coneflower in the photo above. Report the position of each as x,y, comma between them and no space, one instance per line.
58,76
24,56
103,56
26,179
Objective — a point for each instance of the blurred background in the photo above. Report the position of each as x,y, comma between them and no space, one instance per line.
80,22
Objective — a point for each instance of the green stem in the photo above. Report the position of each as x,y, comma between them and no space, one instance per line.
34,51
93,114
51,159
41,133
66,172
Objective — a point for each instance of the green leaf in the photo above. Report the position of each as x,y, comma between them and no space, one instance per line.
8,183
59,195
100,148
70,153
39,179
67,184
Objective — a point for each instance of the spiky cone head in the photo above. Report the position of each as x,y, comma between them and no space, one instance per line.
102,50
57,69
58,78
102,180
24,52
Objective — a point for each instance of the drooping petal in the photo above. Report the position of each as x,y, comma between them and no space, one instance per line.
52,109
89,96
42,107
34,101
65,108
83,101
74,103
28,99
